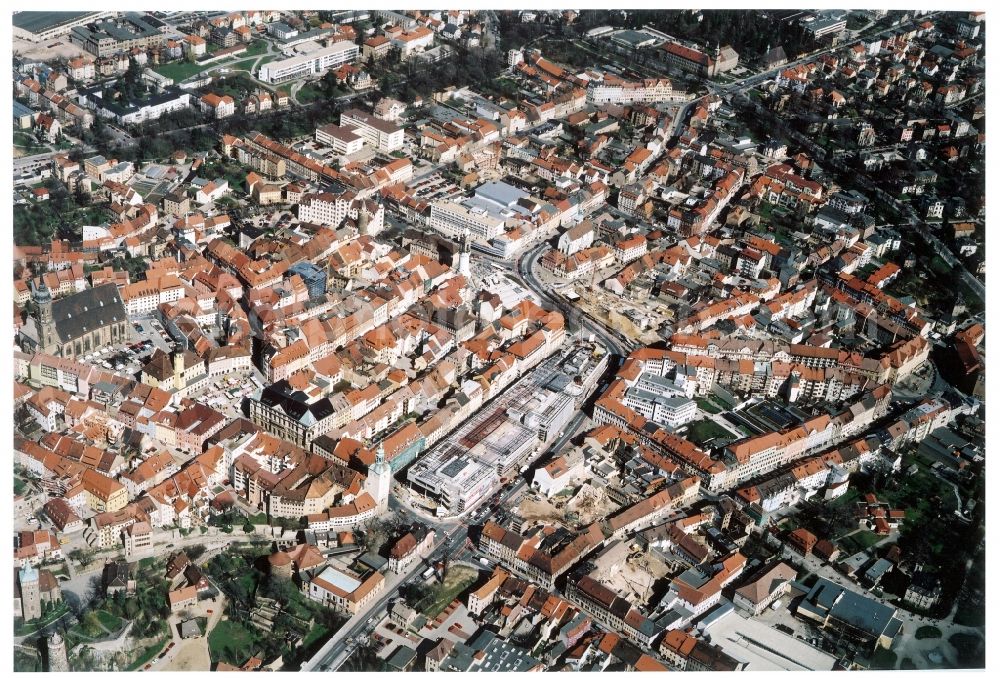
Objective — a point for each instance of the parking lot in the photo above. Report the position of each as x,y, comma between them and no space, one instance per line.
226,393
434,187
125,359
151,329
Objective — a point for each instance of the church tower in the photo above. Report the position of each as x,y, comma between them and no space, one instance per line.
31,601
379,481
46,325
56,650
463,262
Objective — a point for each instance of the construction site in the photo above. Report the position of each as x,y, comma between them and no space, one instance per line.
508,433
576,506
625,568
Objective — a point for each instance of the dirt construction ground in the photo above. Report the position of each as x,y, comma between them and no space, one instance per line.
192,654
60,49
636,578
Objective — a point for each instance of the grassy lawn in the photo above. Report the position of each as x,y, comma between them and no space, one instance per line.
884,659
110,621
849,498
928,632
241,65
968,615
148,655
19,485
180,70
25,140
308,94
708,405
255,48
939,265
914,494
235,637
859,541
317,632
704,430
440,595
20,628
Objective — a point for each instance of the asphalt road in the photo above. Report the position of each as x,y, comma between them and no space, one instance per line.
612,341
32,161
451,535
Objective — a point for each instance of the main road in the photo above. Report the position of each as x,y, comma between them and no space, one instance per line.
39,159
451,538
611,340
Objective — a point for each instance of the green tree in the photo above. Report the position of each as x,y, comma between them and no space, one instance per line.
281,589
83,556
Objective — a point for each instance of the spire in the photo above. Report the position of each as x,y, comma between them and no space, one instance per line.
28,573
42,292
380,454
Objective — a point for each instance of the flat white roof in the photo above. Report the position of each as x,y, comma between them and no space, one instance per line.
764,648
341,580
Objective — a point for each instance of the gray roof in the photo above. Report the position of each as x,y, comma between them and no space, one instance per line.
293,403
501,193
849,608
37,22
86,311
879,569
401,658
374,561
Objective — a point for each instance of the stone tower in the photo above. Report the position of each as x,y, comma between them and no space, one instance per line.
281,565
363,220
379,481
464,267
58,660
178,363
46,324
31,601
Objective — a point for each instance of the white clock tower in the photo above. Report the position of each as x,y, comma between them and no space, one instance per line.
379,481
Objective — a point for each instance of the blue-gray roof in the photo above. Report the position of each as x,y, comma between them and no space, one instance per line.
21,110
501,193
38,22
879,569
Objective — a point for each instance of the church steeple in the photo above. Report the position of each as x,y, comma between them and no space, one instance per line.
464,267
46,323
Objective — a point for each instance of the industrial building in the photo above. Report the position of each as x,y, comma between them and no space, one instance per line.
113,35
44,26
